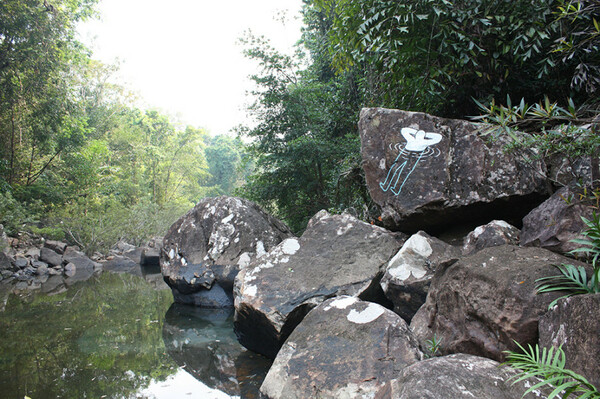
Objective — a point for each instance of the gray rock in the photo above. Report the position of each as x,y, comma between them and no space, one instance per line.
557,221
42,270
408,274
57,246
6,262
134,254
573,324
452,174
213,241
122,264
493,234
484,302
336,255
33,253
123,247
457,376
50,257
344,348
79,259
70,269
38,263
54,271
54,284
21,263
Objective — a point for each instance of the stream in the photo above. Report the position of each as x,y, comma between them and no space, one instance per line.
119,335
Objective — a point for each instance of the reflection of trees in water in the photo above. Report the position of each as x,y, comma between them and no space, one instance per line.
101,337
203,343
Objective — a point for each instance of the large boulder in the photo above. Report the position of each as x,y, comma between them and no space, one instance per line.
493,234
210,244
556,222
336,255
429,172
574,325
344,348
408,274
458,376
485,302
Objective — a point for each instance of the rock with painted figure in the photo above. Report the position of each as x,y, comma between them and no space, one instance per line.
344,348
207,247
408,274
495,233
458,376
336,255
487,301
427,172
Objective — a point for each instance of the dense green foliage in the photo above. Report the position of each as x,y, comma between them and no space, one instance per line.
548,365
432,56
78,160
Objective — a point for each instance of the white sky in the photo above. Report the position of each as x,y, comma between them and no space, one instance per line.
183,56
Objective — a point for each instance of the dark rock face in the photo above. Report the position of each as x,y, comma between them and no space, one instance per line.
573,323
336,255
122,264
408,274
150,257
344,348
425,171
213,241
50,257
457,376
555,222
484,302
493,234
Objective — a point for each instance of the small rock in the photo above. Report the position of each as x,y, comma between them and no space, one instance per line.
33,253
42,270
21,263
70,270
495,233
50,256
57,246
38,263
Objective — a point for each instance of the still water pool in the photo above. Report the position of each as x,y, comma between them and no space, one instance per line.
118,336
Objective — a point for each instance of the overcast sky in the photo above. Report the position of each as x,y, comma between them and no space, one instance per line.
183,56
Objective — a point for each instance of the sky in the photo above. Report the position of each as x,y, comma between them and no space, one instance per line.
183,56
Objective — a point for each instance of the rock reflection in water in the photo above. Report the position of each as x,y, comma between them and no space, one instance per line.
203,343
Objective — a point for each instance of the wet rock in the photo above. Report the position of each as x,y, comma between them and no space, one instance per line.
427,172
50,257
57,246
484,302
557,221
574,325
408,274
79,259
457,376
150,257
54,284
336,255
122,264
493,234
214,240
344,348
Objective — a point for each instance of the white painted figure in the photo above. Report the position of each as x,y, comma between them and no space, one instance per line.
417,142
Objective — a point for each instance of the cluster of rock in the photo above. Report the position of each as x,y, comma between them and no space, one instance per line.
52,266
350,309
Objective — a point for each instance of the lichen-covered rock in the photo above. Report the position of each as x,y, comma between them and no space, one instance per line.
336,255
557,221
212,242
424,171
459,376
485,302
408,274
574,325
493,234
344,348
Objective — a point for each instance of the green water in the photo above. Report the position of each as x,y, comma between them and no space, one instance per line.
116,336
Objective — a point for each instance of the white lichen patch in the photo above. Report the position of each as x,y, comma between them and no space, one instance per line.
260,249
244,260
419,245
369,314
341,303
250,290
382,164
344,229
227,219
405,270
290,246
